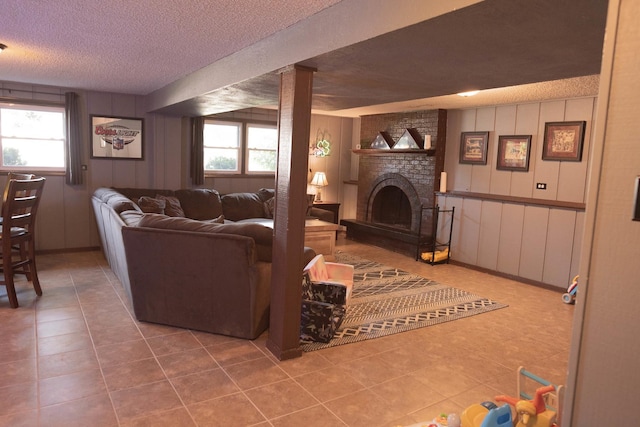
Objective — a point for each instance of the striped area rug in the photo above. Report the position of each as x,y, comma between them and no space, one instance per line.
388,300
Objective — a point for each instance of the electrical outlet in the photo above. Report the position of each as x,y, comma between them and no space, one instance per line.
541,185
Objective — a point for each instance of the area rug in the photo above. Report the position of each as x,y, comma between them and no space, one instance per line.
387,300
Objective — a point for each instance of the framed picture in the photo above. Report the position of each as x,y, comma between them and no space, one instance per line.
116,137
473,147
563,141
514,152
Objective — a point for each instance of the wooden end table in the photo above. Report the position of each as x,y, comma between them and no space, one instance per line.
321,236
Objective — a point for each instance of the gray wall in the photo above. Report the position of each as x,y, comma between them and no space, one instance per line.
533,242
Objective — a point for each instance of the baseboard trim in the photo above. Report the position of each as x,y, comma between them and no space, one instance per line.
509,276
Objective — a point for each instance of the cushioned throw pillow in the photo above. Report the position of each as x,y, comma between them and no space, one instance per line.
120,203
151,205
172,205
269,207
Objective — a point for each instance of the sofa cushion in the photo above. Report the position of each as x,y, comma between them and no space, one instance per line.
266,193
151,205
172,205
200,203
269,207
120,203
237,206
131,217
261,235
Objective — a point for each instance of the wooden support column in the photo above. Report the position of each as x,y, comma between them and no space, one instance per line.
294,121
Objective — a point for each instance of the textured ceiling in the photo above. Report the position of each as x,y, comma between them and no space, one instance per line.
136,46
505,46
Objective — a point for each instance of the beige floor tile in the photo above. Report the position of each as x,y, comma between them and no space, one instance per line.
406,394
61,327
232,410
278,399
132,374
255,373
372,370
114,354
203,386
112,335
330,383
94,411
28,418
144,400
17,372
363,409
233,352
315,416
64,343
68,387
173,343
173,418
85,315
60,313
18,398
187,362
66,363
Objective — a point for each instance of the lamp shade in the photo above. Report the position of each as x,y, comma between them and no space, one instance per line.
319,179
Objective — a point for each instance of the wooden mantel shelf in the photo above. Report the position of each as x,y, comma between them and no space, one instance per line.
381,152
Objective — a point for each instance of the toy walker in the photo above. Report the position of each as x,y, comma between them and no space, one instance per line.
540,410
569,297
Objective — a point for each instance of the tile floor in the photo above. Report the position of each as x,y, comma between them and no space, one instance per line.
77,357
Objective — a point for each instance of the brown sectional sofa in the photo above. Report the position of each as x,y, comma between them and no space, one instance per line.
193,271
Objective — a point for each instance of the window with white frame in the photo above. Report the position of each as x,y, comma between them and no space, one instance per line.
262,148
239,147
32,137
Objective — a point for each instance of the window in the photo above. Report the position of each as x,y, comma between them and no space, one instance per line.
239,148
222,146
262,148
32,137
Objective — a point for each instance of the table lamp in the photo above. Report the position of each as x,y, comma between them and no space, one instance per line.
319,180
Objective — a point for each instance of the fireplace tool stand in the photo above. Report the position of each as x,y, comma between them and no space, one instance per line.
440,251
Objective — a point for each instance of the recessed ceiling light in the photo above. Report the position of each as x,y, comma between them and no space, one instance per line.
470,93
2,47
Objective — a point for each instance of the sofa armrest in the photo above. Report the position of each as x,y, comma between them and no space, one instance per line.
339,272
320,320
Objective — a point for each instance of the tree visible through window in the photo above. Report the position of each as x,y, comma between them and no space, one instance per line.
236,147
32,137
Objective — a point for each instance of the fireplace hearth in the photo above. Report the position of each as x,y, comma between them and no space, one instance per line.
393,188
395,185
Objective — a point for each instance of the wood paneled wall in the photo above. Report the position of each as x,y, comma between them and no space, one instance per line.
538,243
66,220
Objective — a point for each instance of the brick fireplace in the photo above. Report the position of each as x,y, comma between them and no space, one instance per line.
393,186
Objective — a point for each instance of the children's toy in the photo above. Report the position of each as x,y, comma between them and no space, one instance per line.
437,256
443,420
569,297
541,410
487,414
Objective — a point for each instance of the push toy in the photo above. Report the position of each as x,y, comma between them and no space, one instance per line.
569,297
